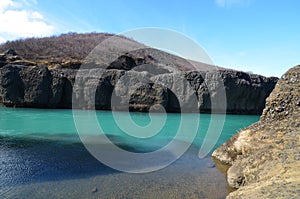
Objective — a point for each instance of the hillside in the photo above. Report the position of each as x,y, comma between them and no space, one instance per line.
72,49
55,48
40,73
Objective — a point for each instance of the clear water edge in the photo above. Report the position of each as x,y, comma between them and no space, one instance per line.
45,144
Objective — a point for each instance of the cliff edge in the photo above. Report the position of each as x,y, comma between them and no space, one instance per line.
40,73
265,157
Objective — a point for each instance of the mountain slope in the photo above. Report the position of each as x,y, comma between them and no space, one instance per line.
40,73
75,48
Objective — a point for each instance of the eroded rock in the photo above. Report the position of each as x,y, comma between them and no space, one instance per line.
191,91
266,154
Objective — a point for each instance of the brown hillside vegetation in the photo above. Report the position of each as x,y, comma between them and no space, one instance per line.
72,48
56,48
40,73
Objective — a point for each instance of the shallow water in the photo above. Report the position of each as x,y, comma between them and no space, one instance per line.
43,157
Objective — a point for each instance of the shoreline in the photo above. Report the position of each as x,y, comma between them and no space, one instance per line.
264,157
51,160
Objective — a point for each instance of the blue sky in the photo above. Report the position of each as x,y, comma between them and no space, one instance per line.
250,35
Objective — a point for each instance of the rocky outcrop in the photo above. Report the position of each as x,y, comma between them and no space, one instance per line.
11,57
265,157
37,86
121,74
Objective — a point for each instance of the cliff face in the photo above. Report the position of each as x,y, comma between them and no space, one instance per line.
265,157
40,73
39,87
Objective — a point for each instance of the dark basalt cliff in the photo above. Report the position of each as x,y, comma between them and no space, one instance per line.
38,87
265,157
137,78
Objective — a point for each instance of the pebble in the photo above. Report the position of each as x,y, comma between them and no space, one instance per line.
286,113
279,109
263,137
211,165
94,190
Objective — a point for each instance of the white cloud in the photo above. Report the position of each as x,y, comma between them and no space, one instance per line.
17,20
29,2
231,3
6,3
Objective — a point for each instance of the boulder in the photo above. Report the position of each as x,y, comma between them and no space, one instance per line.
181,95
10,52
11,86
37,82
8,57
265,157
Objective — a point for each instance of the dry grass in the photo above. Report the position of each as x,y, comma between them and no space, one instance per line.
56,48
73,47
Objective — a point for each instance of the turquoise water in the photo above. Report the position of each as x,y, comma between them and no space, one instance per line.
41,151
59,125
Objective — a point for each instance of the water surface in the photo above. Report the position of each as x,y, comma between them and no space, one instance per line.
43,157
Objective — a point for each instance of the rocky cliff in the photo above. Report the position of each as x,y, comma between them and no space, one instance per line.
39,87
41,73
265,157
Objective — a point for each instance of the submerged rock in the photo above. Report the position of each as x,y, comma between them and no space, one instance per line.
94,190
264,157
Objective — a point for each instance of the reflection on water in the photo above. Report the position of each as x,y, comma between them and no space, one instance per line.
223,168
37,167
41,155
